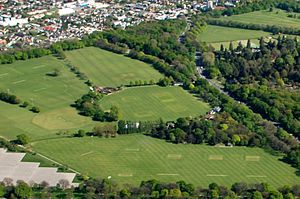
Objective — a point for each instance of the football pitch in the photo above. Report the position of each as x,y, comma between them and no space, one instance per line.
105,68
133,158
154,102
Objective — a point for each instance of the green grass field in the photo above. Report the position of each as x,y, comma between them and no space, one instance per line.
105,68
154,102
53,95
214,34
133,158
277,17
217,35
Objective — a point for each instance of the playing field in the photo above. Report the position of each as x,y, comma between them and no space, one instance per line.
133,158
154,102
53,95
213,34
105,68
277,17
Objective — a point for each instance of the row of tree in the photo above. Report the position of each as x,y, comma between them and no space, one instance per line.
9,98
103,188
22,54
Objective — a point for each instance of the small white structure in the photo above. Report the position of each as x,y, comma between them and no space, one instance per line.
66,11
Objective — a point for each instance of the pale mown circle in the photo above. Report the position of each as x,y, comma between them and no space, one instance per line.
66,118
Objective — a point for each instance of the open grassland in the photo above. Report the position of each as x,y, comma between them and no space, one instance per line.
154,102
105,68
213,34
277,17
53,95
133,158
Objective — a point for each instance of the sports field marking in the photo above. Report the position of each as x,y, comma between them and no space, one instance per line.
167,174
174,156
144,114
215,157
216,175
40,89
3,74
255,176
36,67
125,174
254,158
84,154
129,98
17,82
134,150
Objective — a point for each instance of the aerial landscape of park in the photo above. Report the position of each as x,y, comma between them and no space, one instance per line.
202,105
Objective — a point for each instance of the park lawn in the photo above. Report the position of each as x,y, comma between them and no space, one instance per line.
105,68
213,34
53,95
277,17
154,102
133,158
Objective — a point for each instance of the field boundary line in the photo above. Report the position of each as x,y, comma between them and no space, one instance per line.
69,168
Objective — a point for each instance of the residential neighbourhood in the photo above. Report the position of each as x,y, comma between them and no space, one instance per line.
40,23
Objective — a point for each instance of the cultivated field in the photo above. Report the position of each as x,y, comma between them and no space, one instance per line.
154,102
105,68
132,158
213,34
277,17
53,95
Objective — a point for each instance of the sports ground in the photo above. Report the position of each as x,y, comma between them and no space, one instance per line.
53,95
154,102
276,17
217,35
214,34
133,158
130,158
105,68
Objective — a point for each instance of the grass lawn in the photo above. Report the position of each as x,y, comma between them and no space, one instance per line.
105,68
53,95
132,158
277,17
154,102
213,34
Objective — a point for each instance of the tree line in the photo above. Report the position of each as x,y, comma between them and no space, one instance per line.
104,188
13,99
